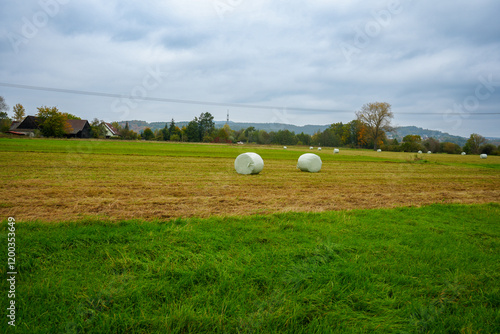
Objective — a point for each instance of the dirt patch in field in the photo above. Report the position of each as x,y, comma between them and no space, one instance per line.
49,187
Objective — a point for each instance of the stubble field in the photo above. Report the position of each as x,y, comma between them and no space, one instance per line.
61,180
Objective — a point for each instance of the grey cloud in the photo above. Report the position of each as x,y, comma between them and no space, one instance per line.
427,57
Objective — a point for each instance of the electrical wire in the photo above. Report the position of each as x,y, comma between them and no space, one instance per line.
208,103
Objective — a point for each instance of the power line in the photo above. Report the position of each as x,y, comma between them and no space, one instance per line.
159,99
206,103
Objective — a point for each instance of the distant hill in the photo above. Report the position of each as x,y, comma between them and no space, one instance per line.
403,131
307,129
139,126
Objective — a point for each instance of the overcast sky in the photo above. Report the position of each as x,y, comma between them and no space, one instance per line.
306,62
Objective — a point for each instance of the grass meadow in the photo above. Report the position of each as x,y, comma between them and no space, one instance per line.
145,237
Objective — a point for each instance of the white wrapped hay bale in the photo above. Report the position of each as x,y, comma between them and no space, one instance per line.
429,152
309,162
483,156
310,147
249,163
284,147
379,150
336,151
319,148
419,152
463,153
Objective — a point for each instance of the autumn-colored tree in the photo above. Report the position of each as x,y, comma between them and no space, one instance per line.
377,118
19,112
224,135
71,116
52,122
450,148
362,138
184,135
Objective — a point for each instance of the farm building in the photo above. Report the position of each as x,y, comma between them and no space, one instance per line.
78,128
27,127
111,131
14,125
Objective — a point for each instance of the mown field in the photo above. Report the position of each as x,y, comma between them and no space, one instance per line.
142,237
61,180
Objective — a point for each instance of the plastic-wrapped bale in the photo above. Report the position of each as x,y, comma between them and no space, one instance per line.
285,147
483,156
319,148
309,162
419,152
379,150
248,163
429,152
463,153
310,147
336,151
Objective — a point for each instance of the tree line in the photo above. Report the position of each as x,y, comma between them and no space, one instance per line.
370,129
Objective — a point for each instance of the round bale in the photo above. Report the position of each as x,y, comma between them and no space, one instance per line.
285,147
419,152
248,163
336,151
429,152
309,162
379,150
319,148
483,156
310,147
463,153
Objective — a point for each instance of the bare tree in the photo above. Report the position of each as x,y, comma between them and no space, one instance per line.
5,121
376,117
3,105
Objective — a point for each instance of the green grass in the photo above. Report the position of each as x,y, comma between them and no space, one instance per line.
171,149
434,269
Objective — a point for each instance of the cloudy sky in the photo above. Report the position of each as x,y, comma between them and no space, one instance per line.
299,62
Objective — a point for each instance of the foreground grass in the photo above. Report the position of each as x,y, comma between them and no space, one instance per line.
409,270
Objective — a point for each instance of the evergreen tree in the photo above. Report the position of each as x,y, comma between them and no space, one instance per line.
206,126
165,133
172,128
193,131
